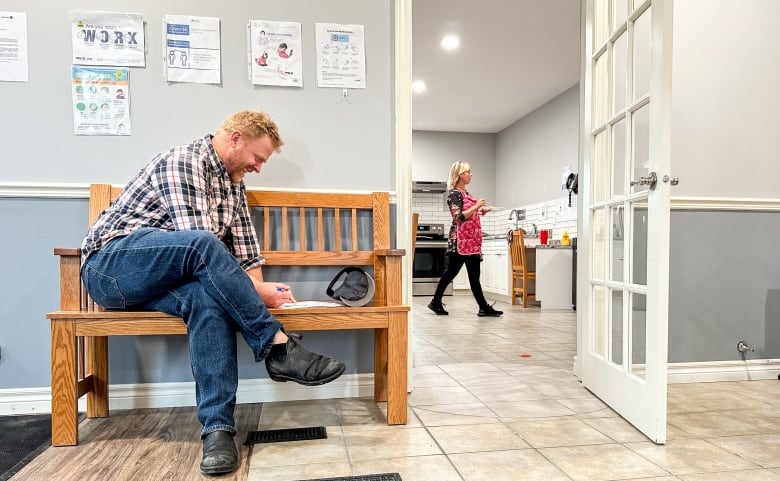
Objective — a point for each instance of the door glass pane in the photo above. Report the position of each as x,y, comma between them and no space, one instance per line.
599,237
638,320
642,54
639,244
640,128
600,90
598,321
616,349
616,216
619,13
618,158
600,177
600,22
619,72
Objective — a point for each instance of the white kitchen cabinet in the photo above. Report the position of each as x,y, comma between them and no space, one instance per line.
461,281
494,274
553,278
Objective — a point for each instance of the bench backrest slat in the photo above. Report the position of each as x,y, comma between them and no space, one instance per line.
301,228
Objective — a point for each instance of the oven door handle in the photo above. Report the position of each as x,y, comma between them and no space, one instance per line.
431,243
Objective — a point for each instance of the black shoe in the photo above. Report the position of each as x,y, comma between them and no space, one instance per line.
293,362
219,453
438,308
488,311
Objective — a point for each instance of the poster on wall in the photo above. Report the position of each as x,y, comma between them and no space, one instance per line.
107,38
13,47
341,56
101,100
192,49
276,57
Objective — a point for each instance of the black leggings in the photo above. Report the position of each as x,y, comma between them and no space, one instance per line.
472,267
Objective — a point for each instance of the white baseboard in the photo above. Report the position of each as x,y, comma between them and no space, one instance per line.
175,394
751,370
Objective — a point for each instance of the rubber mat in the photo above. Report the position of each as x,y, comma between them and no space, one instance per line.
367,477
284,435
21,439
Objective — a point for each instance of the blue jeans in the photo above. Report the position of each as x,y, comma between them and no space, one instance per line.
189,274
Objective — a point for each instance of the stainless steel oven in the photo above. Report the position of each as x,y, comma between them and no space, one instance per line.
430,259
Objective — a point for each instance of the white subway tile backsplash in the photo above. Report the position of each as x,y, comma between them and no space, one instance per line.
553,214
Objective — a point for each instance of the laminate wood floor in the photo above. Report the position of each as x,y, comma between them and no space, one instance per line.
139,445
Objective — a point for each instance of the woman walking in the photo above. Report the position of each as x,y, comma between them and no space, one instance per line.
464,245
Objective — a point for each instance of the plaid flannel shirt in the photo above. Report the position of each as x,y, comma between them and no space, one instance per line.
185,188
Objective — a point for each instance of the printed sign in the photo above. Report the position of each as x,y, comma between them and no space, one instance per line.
107,38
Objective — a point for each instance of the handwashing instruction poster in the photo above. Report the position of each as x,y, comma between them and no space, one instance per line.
107,38
192,49
276,57
341,56
101,104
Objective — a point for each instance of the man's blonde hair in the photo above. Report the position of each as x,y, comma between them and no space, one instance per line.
253,125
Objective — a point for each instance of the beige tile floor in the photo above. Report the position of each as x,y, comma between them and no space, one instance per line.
495,399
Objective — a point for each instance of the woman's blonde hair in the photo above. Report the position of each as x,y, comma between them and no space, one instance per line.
253,125
457,168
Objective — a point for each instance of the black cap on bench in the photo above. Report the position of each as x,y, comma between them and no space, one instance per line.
355,287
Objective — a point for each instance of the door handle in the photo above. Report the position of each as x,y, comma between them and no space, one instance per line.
649,181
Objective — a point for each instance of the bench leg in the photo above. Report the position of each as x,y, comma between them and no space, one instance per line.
380,364
97,364
64,384
397,368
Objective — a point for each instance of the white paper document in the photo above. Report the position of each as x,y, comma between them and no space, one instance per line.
101,104
192,49
107,38
341,56
276,56
299,304
13,47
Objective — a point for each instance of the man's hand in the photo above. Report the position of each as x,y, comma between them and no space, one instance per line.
274,294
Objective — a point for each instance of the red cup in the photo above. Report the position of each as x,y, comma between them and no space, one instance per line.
543,236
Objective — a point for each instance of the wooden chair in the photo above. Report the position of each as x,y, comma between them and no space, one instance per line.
415,221
520,269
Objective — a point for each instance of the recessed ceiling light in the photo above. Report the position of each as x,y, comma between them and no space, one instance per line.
450,42
418,86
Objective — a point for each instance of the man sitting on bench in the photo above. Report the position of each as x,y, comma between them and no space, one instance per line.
179,239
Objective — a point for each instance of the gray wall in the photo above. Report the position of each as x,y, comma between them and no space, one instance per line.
531,152
434,152
329,145
724,285
726,99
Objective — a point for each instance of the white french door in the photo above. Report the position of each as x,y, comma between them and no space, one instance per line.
623,248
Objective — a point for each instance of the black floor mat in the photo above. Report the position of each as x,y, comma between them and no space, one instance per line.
22,438
283,435
367,477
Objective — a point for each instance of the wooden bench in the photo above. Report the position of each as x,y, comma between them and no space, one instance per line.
320,229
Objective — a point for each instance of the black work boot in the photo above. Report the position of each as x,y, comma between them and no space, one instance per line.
488,311
437,307
293,362
219,453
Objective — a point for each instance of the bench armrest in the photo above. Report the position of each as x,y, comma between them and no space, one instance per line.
390,252
70,278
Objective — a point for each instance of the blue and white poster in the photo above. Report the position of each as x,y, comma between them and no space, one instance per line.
192,49
101,100
107,38
341,56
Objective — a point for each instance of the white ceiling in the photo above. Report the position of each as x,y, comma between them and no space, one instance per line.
514,56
